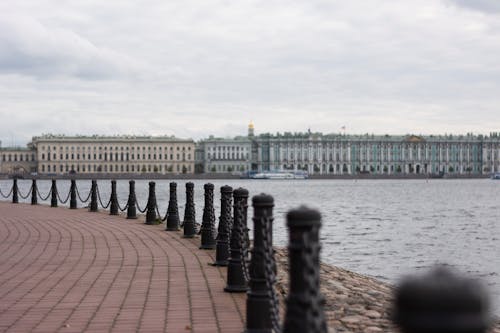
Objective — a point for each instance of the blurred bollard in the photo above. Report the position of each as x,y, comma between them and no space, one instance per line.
441,301
34,191
189,213
131,209
72,193
224,229
53,193
113,205
208,221
304,304
173,221
15,191
151,205
93,197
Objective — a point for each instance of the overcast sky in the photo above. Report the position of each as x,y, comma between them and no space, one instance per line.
195,68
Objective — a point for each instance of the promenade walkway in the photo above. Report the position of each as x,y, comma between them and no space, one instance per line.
65,270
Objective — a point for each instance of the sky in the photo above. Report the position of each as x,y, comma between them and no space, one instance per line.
199,68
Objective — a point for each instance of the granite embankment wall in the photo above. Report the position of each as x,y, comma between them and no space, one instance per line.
354,303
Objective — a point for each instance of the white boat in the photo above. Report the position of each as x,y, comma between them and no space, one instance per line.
280,175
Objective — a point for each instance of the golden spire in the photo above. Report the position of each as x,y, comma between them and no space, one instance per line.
250,126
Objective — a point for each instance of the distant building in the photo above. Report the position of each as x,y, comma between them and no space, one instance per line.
59,154
223,155
340,154
17,160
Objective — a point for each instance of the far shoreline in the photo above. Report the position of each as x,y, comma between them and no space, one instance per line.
209,176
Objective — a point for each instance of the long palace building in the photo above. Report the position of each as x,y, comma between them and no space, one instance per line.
316,153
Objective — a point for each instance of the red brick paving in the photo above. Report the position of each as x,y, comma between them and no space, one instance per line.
65,270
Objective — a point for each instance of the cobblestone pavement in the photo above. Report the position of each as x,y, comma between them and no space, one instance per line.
65,270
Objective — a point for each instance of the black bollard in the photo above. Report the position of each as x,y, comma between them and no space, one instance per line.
53,193
225,224
236,269
208,221
262,309
304,304
131,210
93,197
113,206
34,191
151,206
189,212
15,191
173,221
441,301
72,200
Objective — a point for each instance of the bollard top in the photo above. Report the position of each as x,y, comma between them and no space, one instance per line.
113,181
208,186
262,200
173,185
189,185
93,181
53,180
441,301
152,183
303,217
240,192
226,189
131,181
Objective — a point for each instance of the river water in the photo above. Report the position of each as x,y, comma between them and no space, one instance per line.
382,228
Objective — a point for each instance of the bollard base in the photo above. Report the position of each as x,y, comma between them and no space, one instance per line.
207,247
114,214
172,229
131,217
188,236
222,263
258,330
236,289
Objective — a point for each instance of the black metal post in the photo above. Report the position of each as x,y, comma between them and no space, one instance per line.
304,304
173,221
34,191
53,193
208,221
151,206
259,301
441,301
131,210
236,269
15,190
93,197
225,224
113,206
72,200
189,212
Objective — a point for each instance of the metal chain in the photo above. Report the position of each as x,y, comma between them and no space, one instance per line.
42,198
120,207
159,215
244,243
79,197
100,200
139,207
270,275
67,198
8,195
24,196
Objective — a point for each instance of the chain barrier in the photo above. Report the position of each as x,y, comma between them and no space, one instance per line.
79,197
63,201
142,211
42,198
24,196
270,274
163,219
100,200
124,208
8,195
240,227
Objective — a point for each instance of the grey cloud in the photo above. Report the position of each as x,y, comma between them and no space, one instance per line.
486,6
34,49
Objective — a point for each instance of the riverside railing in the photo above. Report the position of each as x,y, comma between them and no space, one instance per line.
440,301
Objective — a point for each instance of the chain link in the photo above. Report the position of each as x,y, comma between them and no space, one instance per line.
42,198
270,273
8,195
100,199
24,196
139,207
79,197
67,198
120,207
